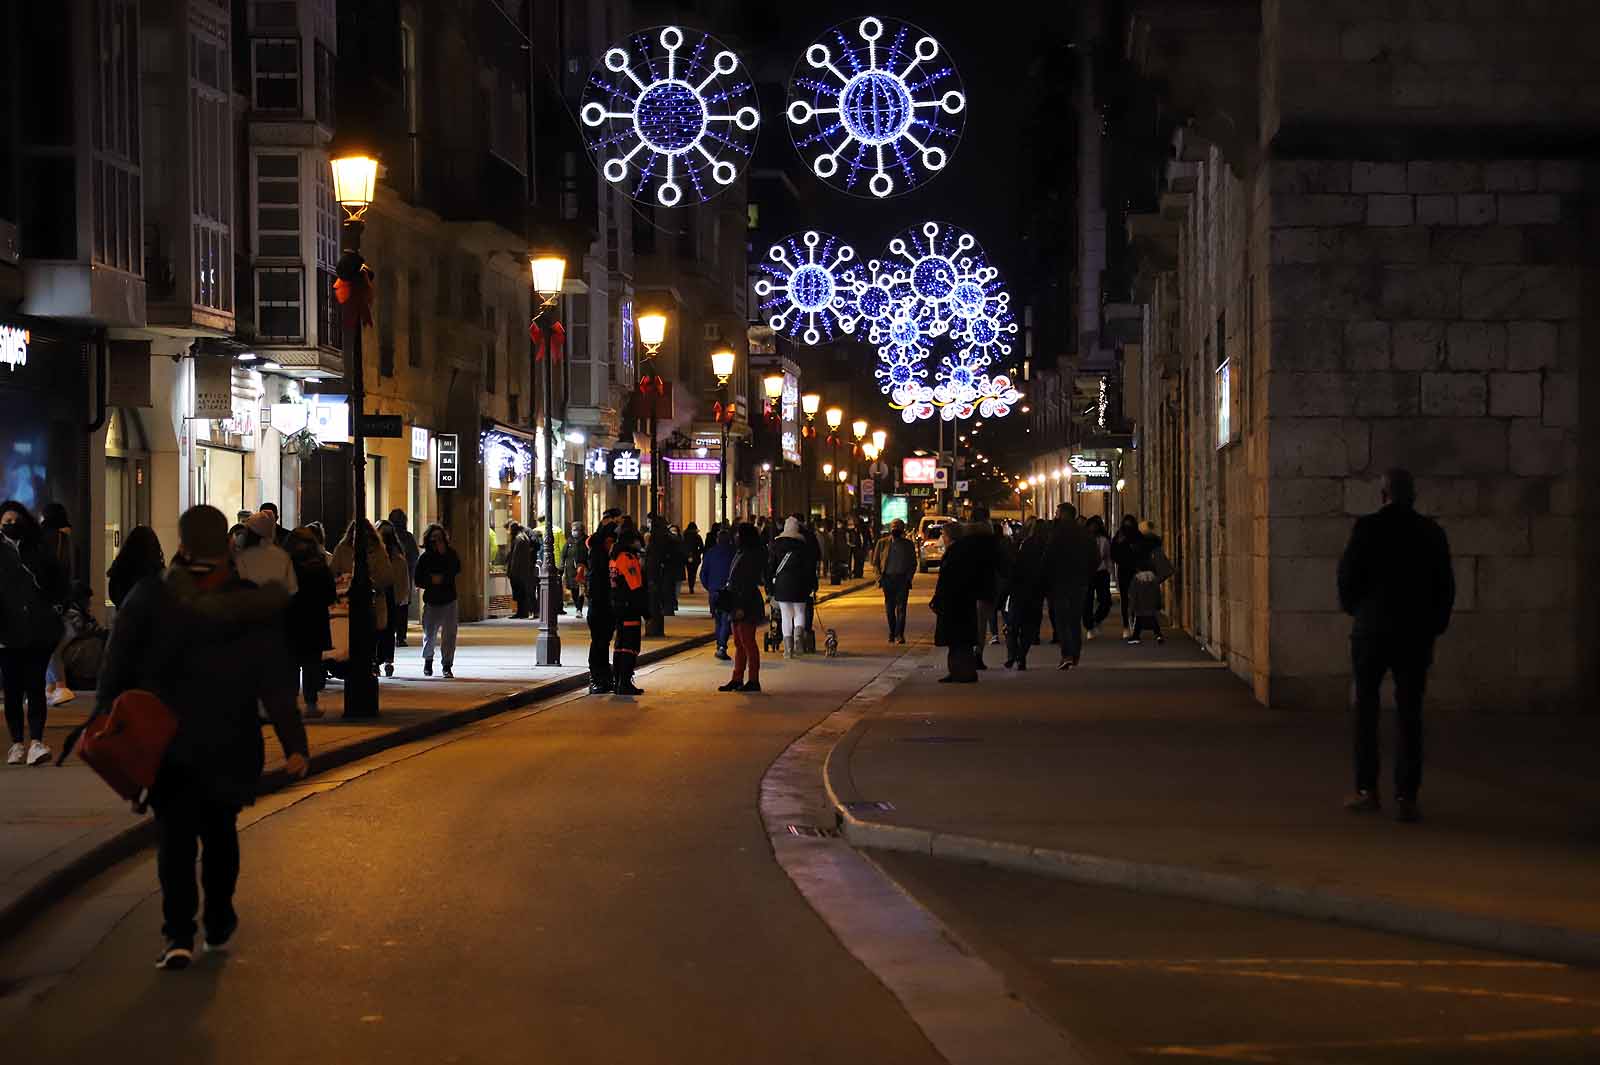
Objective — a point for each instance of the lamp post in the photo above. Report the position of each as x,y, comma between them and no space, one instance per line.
772,386
722,361
355,178
858,429
810,404
835,418
548,275
652,332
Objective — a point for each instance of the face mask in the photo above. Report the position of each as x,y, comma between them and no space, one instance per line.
12,531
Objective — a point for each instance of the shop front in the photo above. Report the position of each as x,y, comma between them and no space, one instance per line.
507,458
42,403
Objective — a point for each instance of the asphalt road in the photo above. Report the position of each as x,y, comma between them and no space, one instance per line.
1138,978
590,884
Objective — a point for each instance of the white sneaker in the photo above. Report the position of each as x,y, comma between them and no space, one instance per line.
1126,632
38,753
59,694
14,756
1088,634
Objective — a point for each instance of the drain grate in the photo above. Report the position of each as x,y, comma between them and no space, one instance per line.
869,806
939,739
811,831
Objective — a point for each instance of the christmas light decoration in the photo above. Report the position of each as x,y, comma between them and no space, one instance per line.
668,110
874,98
809,287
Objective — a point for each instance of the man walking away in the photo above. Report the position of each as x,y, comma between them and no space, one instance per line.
1097,603
1124,549
955,601
212,647
630,603
1070,564
1395,579
898,568
1025,599
602,621
408,544
713,578
1151,569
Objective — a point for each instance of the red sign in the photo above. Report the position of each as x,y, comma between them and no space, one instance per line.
919,470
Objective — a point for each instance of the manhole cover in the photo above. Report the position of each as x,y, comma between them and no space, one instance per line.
869,806
939,739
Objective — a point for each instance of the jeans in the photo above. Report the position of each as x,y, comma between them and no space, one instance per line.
1097,601
186,817
793,616
724,630
1022,631
399,619
1147,621
601,628
1408,660
1067,616
1124,586
896,592
24,670
439,627
746,651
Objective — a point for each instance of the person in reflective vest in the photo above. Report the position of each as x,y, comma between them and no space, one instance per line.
630,604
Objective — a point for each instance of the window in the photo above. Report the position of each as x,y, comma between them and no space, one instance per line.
385,315
579,358
414,318
275,73
211,165
324,84
330,318
408,74
280,303
278,206
327,217
117,184
752,216
273,15
507,107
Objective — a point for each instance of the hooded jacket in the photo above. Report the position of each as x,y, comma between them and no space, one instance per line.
211,655
792,571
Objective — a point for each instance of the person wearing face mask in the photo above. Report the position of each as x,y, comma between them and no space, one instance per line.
33,587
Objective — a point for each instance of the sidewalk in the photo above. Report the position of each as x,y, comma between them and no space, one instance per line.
60,826
1154,769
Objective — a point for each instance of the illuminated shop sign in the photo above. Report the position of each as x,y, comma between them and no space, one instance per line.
694,466
14,346
625,465
419,444
1089,467
919,470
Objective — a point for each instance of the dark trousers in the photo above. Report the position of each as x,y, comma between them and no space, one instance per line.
399,618
186,820
626,654
746,652
1125,586
1097,601
962,662
1408,660
1147,621
23,669
519,596
896,593
1066,614
601,628
313,678
724,630
1022,632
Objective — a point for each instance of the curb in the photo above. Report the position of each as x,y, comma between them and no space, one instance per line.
1527,939
59,883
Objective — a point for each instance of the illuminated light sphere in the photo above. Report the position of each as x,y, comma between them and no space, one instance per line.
670,114
940,272
874,109
808,289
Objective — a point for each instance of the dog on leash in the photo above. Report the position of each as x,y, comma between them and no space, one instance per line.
830,644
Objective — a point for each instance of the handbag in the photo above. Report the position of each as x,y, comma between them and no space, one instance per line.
126,746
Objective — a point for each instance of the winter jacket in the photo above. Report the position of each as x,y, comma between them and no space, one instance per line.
378,568
307,619
986,560
1125,547
212,655
522,562
266,563
966,569
792,570
630,599
1070,562
1395,578
1151,570
30,574
573,555
897,558
436,575
745,576
408,543
399,568
716,567
598,575
1026,587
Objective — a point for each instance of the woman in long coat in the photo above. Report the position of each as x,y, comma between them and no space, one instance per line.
955,601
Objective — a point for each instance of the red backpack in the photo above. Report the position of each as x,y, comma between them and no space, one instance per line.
126,745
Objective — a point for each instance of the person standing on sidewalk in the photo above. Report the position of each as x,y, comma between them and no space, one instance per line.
1125,548
1151,569
521,560
310,632
398,601
382,574
955,602
438,567
32,589
1025,600
574,561
408,543
897,568
1097,603
212,647
714,573
694,546
791,574
741,597
141,556
630,605
602,622
1396,580
1069,566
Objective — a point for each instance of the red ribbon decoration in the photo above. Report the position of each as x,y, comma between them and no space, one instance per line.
558,339
356,298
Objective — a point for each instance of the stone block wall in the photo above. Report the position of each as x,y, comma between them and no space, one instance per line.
1428,314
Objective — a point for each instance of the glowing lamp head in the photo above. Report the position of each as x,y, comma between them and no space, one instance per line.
880,439
811,402
722,364
772,383
355,182
835,417
549,273
652,329
870,451
858,428
827,469
1055,475
843,476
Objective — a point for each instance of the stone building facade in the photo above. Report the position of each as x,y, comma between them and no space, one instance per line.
1393,266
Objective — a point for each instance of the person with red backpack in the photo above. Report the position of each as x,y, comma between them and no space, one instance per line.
211,647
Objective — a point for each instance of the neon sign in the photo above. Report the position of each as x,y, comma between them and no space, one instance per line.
14,346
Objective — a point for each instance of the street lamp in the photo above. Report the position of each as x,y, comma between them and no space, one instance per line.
880,438
355,178
722,361
835,418
827,469
811,402
722,364
548,274
772,384
652,331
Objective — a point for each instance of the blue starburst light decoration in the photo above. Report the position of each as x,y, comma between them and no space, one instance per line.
872,103
809,287
670,113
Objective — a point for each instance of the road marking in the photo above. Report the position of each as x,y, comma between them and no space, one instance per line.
1267,1052
1355,963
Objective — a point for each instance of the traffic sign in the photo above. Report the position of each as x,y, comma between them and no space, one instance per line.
961,488
379,425
941,477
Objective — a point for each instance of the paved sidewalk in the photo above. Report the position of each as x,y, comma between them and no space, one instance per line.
60,825
1152,768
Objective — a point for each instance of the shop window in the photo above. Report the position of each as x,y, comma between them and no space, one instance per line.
275,73
278,205
280,303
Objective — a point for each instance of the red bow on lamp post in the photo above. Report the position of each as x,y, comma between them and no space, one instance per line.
353,289
558,339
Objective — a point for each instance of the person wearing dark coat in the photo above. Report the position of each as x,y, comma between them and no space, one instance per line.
1397,582
694,549
309,631
1070,566
990,561
141,556
714,572
897,568
29,574
1026,592
1151,570
408,544
438,567
840,552
522,569
212,648
792,576
962,578
1124,549
741,596
602,622
663,562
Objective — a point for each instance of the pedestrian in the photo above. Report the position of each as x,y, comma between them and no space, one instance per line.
1097,601
33,587
857,545
1026,592
630,605
438,567
140,557
792,577
408,542
824,535
1005,557
378,571
280,535
1124,549
1396,581
211,646
260,560
989,563
55,538
694,549
1069,565
897,569
575,559
714,572
521,568
596,578
663,560
840,553
398,594
741,598
310,632
955,602
1151,569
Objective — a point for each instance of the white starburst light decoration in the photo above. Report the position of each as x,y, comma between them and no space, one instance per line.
809,287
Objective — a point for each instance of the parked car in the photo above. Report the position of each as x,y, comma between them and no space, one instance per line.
930,552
